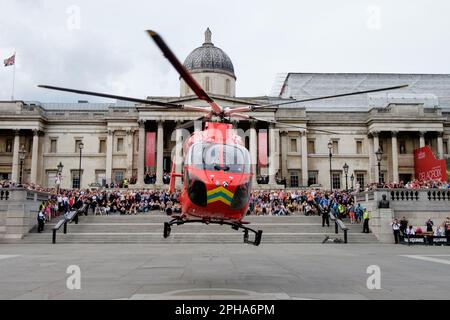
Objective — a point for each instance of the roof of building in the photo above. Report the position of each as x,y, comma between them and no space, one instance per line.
429,89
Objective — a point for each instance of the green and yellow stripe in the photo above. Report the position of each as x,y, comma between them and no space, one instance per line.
220,194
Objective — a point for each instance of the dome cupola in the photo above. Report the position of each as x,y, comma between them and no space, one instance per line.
212,68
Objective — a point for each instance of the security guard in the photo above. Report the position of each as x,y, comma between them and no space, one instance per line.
366,221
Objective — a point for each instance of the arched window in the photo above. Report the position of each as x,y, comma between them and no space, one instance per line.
227,87
207,84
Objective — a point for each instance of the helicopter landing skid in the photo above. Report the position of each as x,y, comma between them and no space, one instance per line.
234,225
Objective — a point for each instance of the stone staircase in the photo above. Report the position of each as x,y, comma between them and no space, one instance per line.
149,229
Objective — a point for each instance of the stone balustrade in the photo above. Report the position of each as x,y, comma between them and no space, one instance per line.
417,206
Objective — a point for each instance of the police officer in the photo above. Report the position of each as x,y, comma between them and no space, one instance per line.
41,221
325,215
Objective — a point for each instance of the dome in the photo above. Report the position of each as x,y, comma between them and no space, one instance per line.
209,58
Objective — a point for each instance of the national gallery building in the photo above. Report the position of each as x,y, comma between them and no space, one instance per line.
36,137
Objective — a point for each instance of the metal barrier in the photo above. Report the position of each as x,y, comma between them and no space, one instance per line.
425,239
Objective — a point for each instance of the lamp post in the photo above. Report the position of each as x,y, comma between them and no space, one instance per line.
352,178
80,146
22,155
345,167
58,176
330,148
379,155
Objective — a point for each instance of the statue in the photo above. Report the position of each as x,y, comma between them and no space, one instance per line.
384,203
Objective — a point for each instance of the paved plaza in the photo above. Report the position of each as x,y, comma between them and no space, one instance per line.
223,271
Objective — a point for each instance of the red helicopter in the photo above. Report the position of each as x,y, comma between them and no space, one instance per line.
217,173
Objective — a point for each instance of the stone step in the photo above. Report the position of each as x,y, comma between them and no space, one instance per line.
191,238
190,228
162,218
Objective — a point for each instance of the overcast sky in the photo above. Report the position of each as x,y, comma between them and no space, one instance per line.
101,45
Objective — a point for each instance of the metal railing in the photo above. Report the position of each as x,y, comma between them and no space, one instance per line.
339,224
68,218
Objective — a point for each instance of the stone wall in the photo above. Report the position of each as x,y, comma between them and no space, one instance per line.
18,213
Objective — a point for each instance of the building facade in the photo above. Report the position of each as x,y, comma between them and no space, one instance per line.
114,134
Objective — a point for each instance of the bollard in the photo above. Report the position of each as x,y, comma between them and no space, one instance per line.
76,218
65,227
345,236
54,236
336,229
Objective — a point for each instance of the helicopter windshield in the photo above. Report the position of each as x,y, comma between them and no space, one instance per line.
210,156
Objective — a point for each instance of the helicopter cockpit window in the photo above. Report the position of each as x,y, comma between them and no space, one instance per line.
230,158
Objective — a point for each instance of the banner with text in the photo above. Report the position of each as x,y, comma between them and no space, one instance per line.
427,167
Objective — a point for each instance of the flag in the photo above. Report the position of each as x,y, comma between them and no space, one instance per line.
10,61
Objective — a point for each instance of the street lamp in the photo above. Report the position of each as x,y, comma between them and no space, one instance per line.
352,178
379,155
80,146
58,177
330,148
346,176
22,155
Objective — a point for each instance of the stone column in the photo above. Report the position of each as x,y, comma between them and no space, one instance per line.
109,156
274,135
376,146
130,144
253,151
15,164
178,153
440,145
304,158
160,153
371,162
34,157
395,176
422,139
284,152
141,155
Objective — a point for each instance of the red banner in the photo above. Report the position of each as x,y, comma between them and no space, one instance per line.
427,167
150,149
262,149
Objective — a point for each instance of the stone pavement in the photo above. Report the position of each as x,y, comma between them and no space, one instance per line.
223,271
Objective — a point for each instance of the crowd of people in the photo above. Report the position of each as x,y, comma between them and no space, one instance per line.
411,185
340,204
402,228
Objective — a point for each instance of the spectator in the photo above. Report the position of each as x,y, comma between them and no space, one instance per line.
403,226
429,225
396,229
410,231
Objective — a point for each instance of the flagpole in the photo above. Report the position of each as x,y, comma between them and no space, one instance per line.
14,77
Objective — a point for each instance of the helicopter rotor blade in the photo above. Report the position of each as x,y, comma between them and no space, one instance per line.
183,72
328,97
286,125
190,123
106,95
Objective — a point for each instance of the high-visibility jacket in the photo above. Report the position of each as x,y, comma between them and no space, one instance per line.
366,215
